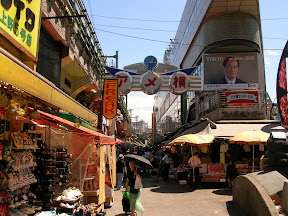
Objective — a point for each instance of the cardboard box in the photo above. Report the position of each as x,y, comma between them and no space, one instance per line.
203,168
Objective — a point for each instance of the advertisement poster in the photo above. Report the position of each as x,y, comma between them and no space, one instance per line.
230,71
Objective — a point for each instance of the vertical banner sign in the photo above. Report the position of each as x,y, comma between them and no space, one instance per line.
281,88
110,97
19,23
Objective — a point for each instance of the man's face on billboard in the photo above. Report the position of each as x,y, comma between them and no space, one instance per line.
231,69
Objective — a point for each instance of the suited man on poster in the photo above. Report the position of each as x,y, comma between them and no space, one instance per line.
230,68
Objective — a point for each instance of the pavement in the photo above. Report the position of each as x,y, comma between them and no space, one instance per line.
171,198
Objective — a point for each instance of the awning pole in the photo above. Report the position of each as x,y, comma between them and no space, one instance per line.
192,165
253,160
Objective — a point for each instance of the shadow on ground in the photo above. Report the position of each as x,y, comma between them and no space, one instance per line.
174,189
223,191
233,209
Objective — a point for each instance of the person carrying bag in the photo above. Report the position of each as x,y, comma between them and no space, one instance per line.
133,186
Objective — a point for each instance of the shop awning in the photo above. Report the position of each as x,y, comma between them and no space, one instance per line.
228,129
103,139
17,74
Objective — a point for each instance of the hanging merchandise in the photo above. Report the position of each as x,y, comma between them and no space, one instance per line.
223,147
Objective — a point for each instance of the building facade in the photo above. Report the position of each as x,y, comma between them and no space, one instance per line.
210,34
61,52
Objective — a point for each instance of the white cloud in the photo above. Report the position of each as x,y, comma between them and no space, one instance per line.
141,105
272,53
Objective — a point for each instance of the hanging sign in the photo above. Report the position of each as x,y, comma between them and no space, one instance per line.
179,82
150,83
124,82
110,93
19,22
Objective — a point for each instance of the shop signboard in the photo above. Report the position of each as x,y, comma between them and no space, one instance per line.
230,71
124,82
236,99
150,83
20,22
110,93
179,82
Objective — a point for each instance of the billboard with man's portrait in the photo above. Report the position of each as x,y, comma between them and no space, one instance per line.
230,71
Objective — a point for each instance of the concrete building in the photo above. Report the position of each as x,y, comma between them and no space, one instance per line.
210,33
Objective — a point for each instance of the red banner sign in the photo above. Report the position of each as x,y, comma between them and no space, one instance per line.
236,98
110,97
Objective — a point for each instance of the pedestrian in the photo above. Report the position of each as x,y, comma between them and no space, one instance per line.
166,166
195,163
134,194
120,170
231,170
154,172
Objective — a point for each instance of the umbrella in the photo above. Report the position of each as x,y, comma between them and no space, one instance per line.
193,139
250,138
126,145
139,158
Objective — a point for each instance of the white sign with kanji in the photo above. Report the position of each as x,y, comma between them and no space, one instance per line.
150,83
179,82
124,82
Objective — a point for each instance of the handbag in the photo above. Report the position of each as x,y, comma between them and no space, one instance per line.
138,182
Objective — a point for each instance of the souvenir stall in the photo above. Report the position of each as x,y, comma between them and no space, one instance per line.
88,150
42,158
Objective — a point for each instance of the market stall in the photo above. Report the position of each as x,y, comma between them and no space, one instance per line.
46,162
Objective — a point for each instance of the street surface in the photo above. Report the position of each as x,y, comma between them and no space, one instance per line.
171,199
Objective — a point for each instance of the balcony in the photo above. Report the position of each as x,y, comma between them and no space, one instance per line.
233,105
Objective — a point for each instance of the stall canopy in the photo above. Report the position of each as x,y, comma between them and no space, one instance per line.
33,83
230,128
103,139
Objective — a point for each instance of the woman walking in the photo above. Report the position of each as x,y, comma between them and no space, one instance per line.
134,194
154,172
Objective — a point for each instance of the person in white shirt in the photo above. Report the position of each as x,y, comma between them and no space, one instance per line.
195,162
165,162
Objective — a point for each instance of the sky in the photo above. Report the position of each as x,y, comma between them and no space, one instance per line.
137,29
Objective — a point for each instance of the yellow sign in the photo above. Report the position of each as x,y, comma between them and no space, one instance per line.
222,158
19,22
110,96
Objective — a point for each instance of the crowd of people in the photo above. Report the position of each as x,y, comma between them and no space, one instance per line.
129,170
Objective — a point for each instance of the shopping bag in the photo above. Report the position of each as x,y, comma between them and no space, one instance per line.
126,194
138,182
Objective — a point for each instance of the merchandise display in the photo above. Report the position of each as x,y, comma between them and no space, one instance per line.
45,167
216,173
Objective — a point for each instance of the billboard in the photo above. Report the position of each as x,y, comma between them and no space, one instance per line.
230,71
20,22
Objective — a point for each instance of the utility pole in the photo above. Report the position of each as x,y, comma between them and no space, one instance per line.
114,56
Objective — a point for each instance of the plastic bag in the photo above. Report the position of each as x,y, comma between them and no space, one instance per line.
138,182
126,194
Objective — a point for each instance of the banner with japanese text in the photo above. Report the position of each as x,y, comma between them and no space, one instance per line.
241,98
20,23
110,98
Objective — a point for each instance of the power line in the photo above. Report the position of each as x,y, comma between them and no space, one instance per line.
160,41
125,27
147,20
132,36
274,19
133,19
